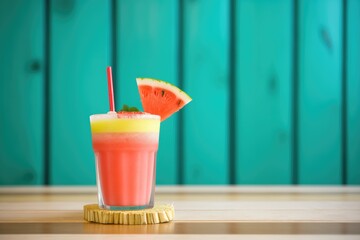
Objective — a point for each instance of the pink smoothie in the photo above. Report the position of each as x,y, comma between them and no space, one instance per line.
126,162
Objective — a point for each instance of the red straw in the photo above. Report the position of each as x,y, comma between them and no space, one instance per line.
110,89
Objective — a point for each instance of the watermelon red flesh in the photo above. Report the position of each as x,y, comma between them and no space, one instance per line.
159,101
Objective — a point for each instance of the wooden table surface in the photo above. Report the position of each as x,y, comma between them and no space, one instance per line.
201,212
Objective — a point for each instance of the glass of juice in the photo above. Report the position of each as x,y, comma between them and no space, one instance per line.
125,146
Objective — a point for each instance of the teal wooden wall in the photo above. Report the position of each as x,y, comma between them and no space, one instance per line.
353,92
21,92
275,87
79,53
205,76
263,92
320,104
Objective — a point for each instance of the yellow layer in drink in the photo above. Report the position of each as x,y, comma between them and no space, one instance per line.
109,123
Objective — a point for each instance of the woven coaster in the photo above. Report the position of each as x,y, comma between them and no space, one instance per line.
160,213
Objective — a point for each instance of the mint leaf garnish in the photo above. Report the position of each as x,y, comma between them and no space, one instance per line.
126,108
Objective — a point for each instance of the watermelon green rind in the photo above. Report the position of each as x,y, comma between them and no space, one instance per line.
172,88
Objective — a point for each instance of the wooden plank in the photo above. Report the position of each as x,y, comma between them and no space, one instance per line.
260,215
239,211
320,92
147,47
353,90
206,38
229,204
187,193
263,109
21,92
80,33
282,236
184,229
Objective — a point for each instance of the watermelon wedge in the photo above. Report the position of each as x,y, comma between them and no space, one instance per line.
161,98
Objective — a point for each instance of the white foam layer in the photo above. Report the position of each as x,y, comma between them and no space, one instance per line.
115,115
